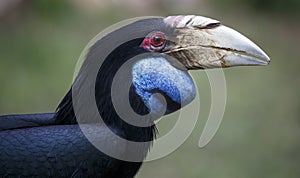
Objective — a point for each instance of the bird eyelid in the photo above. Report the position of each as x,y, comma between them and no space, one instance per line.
154,41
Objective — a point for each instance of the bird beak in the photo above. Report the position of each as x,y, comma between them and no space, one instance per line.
200,43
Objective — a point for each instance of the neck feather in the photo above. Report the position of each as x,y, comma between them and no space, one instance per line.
65,112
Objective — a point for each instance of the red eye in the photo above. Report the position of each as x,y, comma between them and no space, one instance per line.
158,40
155,41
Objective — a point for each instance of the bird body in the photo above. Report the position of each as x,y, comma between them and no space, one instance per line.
60,151
140,67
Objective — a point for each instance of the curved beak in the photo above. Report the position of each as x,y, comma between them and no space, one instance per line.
200,43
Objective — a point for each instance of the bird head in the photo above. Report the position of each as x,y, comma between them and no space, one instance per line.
188,43
158,53
200,43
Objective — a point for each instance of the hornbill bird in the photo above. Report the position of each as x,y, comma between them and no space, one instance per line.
156,54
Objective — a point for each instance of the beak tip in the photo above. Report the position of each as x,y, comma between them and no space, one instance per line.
268,61
265,58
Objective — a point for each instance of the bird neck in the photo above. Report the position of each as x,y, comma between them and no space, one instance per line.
105,93
65,112
155,88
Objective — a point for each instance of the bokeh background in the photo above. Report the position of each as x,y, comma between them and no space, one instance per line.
41,40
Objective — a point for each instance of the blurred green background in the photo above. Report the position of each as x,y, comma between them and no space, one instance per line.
41,40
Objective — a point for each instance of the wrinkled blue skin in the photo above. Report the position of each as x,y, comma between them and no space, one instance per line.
158,74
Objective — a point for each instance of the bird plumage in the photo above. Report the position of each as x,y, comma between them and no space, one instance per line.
150,54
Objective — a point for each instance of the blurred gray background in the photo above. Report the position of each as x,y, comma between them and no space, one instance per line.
41,40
